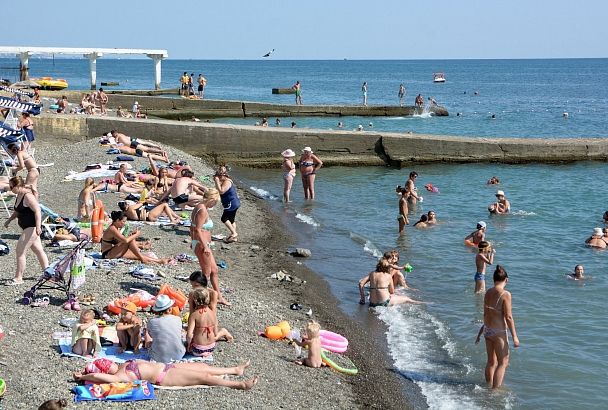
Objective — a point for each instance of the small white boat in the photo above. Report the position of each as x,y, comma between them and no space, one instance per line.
438,78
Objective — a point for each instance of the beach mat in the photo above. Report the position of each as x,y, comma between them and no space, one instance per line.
117,391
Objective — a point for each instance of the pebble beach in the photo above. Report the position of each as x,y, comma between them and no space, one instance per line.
34,370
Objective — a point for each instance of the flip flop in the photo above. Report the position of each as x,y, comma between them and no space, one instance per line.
222,264
13,282
41,302
230,239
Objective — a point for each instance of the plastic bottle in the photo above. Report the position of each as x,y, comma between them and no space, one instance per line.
408,268
294,334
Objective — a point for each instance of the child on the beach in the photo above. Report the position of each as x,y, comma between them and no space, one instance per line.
484,258
85,335
129,328
312,341
203,330
395,270
403,207
199,281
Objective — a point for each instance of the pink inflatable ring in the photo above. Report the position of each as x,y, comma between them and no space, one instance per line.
333,342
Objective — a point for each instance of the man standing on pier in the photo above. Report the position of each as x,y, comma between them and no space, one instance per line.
202,82
102,97
298,87
184,84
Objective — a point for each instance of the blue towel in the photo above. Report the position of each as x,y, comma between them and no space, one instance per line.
131,391
113,151
124,158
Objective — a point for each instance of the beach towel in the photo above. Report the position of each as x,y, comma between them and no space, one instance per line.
124,158
111,352
118,391
104,171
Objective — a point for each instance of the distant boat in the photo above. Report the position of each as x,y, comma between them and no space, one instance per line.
47,83
438,78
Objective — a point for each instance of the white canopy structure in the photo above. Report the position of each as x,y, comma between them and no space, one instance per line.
24,53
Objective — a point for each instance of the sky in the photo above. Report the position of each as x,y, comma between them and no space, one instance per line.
321,29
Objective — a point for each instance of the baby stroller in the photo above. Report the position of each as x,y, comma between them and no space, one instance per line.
65,275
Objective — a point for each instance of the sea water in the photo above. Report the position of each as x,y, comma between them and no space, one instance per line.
528,97
560,322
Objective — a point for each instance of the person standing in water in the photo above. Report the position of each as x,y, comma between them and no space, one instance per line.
497,318
403,208
484,258
298,88
289,172
364,92
401,94
478,235
309,165
411,187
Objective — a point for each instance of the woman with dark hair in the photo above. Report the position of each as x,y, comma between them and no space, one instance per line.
497,318
230,201
27,212
26,125
115,245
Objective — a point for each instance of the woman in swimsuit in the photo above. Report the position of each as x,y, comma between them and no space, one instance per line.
289,172
203,329
230,201
26,161
497,318
403,219
596,240
200,233
139,212
27,212
501,206
309,165
26,125
115,245
411,187
86,200
381,288
177,374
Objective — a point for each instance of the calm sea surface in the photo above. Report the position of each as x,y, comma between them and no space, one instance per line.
561,323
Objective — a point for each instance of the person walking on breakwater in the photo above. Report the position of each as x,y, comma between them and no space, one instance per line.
230,201
364,92
497,318
289,173
27,212
202,82
102,97
401,94
298,88
309,165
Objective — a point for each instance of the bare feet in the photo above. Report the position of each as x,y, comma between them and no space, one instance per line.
224,302
248,384
77,376
229,338
240,369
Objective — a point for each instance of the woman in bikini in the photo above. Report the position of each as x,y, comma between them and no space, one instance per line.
27,212
230,201
497,318
177,374
26,125
115,245
309,165
138,212
86,200
381,288
200,233
26,161
203,329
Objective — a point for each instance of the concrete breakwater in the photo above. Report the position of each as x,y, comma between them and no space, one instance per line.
184,108
257,146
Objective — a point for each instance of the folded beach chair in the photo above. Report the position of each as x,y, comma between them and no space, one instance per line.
65,275
13,104
11,90
7,136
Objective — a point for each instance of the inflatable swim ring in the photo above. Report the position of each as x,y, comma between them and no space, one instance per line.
329,362
273,333
333,342
97,219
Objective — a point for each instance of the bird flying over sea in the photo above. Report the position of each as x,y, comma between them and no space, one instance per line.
268,53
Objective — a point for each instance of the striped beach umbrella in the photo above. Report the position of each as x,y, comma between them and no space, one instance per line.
16,91
8,135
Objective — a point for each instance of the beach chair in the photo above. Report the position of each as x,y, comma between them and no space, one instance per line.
65,275
51,221
7,136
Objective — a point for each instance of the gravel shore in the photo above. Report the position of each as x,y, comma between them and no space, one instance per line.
34,371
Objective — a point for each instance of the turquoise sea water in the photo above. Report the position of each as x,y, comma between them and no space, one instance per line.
561,323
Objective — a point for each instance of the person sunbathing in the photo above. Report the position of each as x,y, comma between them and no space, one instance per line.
144,145
173,374
173,170
122,184
115,245
185,191
23,160
138,212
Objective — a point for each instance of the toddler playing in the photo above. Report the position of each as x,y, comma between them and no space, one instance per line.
203,329
129,328
85,335
312,342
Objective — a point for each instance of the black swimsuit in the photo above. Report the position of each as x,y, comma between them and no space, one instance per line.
26,217
113,242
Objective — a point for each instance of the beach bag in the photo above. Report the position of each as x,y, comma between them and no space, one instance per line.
77,269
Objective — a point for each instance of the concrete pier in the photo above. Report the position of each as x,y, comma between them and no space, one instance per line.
257,146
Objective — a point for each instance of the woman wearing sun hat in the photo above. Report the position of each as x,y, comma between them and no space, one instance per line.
501,206
289,172
309,164
164,333
597,239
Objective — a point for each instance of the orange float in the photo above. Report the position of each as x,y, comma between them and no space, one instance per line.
97,220
273,333
285,328
176,295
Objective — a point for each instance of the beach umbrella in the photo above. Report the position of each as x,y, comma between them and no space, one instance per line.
8,135
16,91
25,84
13,104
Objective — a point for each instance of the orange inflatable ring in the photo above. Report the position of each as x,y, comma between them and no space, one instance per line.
97,219
273,333
176,295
